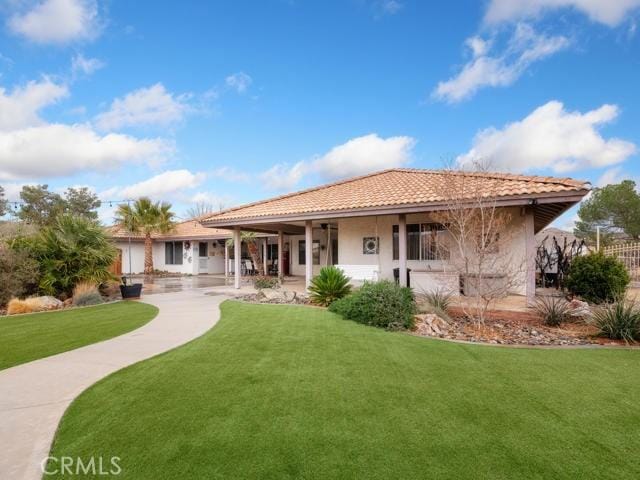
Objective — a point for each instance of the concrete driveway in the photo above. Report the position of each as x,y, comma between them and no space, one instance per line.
153,284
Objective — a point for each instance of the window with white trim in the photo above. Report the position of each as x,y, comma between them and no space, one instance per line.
173,253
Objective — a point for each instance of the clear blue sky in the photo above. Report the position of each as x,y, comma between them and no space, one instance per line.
228,102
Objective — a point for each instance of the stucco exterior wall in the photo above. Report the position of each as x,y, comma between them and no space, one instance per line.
190,260
137,256
351,232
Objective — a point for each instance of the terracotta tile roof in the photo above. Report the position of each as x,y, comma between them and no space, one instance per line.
397,187
189,229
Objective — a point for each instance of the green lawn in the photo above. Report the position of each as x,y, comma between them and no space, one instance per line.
24,338
294,392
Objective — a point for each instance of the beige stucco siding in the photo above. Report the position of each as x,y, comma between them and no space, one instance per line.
351,232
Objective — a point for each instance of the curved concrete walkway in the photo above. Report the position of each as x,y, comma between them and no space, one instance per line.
35,395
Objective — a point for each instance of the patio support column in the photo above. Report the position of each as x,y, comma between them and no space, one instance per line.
281,255
530,257
402,249
264,256
308,252
226,259
237,252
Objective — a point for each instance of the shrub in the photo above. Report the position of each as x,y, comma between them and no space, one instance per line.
86,293
381,304
261,282
619,321
18,273
597,278
553,310
330,285
72,250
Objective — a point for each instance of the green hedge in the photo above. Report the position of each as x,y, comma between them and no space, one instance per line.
597,278
380,304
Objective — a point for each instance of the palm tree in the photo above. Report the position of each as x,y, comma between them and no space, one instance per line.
252,245
146,217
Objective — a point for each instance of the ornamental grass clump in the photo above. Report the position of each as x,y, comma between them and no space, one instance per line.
436,302
330,285
382,304
618,321
552,310
86,293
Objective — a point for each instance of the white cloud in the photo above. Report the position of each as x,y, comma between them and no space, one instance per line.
483,70
58,149
230,174
551,137
357,156
57,21
12,190
146,106
20,108
364,154
209,199
282,176
608,12
87,66
161,186
612,175
240,82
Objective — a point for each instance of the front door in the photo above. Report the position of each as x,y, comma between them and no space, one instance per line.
203,257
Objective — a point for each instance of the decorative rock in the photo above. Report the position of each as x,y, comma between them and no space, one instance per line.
45,302
578,308
431,324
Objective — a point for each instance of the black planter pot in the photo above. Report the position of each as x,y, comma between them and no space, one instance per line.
131,291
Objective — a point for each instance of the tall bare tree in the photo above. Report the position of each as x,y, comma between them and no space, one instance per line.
202,209
480,238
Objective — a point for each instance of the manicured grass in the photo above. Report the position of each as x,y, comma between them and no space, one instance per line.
293,392
24,338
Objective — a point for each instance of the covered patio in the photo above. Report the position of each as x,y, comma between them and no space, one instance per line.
384,225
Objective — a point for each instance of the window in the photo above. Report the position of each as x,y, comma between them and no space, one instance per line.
203,250
425,241
173,253
315,252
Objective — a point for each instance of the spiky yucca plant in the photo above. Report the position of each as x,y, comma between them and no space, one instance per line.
553,310
619,320
330,285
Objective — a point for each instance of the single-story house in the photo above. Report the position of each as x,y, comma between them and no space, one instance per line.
190,249
383,224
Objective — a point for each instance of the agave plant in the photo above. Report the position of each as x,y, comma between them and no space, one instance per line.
330,285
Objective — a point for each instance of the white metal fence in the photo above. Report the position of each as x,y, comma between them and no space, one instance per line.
629,254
